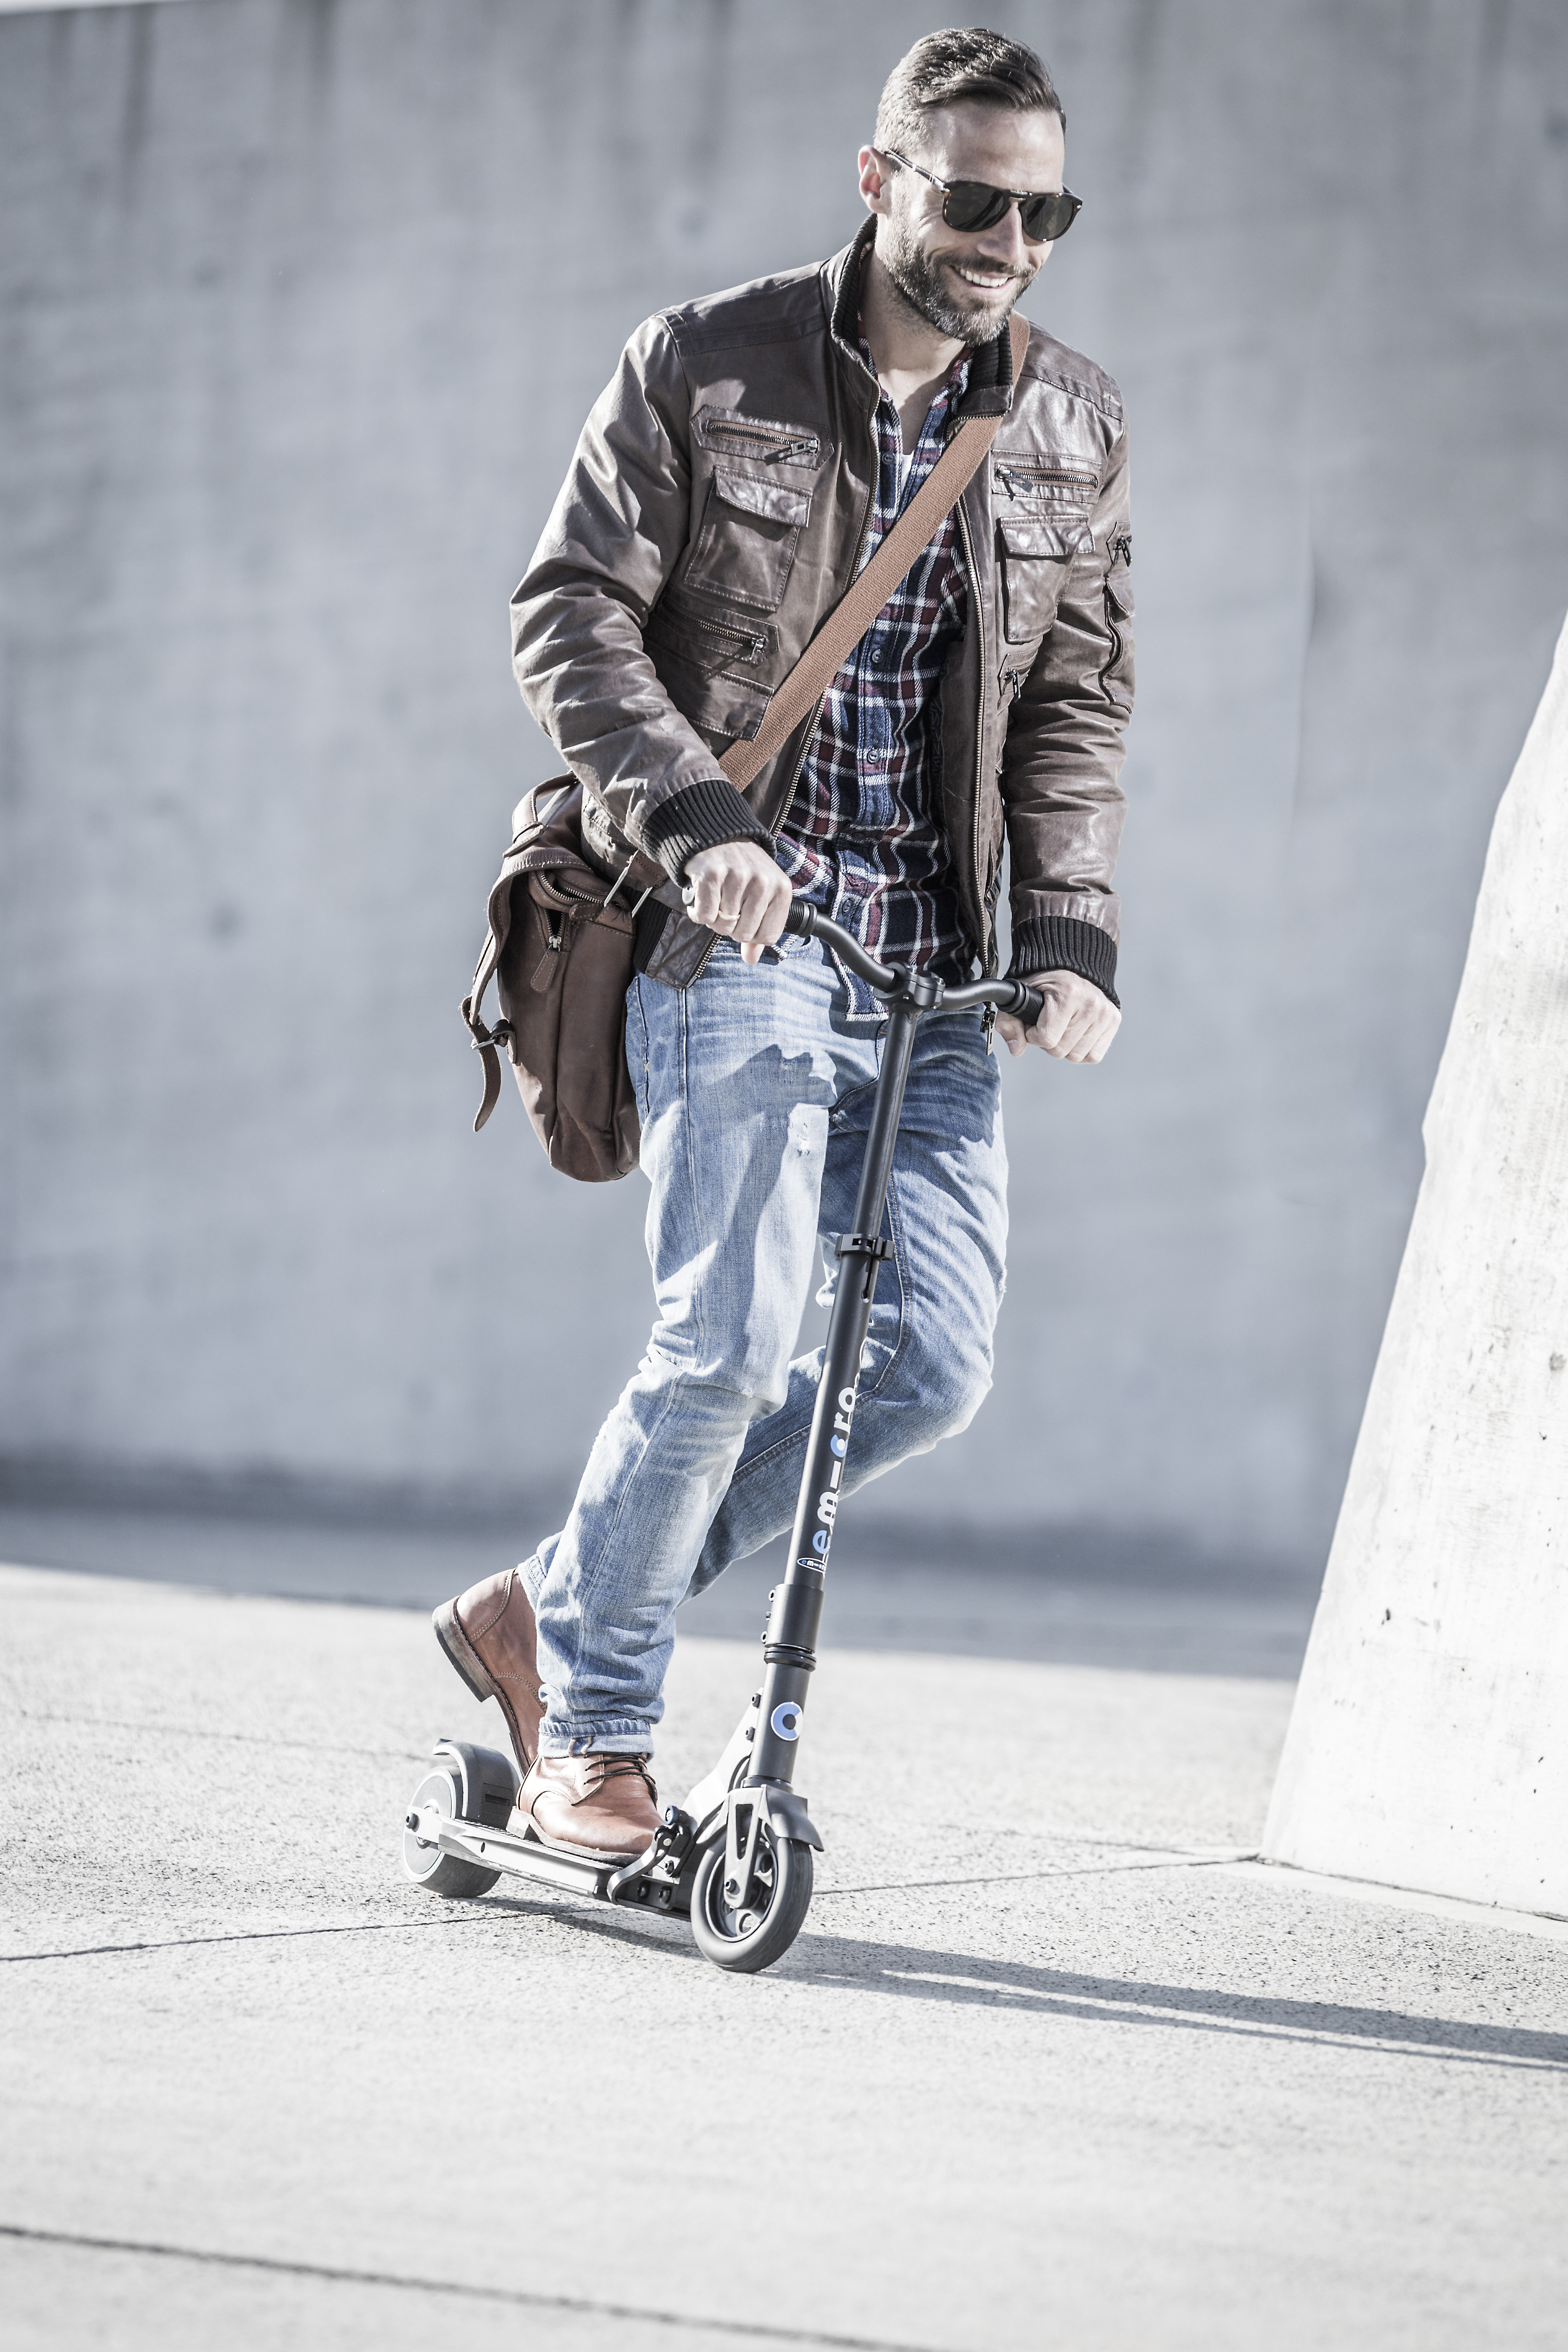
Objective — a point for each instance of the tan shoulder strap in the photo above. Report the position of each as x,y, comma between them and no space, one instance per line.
850,618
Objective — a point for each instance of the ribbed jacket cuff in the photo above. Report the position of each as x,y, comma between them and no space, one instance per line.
701,816
1063,943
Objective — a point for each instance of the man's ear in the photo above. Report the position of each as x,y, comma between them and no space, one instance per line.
875,184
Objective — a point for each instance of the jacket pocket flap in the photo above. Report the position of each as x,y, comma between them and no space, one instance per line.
1062,538
776,501
1119,588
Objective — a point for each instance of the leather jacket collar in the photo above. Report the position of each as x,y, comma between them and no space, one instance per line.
990,392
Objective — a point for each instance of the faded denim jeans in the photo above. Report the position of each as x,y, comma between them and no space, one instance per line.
754,1087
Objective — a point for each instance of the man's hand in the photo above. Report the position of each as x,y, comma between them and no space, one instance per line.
738,891
1077,1024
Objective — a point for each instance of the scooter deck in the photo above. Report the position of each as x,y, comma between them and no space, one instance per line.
657,1888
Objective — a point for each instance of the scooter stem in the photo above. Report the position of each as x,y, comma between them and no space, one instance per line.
790,1651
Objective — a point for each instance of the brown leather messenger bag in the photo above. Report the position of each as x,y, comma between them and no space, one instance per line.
559,946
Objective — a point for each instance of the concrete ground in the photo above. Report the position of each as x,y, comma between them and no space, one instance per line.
1051,2064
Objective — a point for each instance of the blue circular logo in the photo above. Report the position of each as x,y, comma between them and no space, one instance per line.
785,1720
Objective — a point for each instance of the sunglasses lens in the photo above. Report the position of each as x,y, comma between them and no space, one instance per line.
971,205
1047,217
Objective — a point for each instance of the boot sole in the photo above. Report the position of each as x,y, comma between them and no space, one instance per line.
585,1852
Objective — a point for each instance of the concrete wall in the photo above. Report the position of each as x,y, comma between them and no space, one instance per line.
303,301
1426,1744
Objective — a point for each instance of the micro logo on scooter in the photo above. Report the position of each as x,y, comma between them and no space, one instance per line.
828,1501
786,1719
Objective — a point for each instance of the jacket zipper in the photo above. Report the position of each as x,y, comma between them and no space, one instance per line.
760,432
1118,645
987,928
809,737
748,640
1020,480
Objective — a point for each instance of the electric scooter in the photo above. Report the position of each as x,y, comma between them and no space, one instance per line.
736,1857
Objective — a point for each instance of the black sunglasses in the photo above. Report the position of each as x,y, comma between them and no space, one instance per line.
969,206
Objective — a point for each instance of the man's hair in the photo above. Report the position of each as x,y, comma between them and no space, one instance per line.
964,63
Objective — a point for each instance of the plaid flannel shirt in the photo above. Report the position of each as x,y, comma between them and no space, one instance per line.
862,839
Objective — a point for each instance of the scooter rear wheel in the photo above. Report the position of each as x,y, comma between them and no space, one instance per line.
750,1939
427,1865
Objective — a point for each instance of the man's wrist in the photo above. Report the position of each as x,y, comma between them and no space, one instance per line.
699,817
1048,943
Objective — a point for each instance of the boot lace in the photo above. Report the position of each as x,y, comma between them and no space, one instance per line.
617,1767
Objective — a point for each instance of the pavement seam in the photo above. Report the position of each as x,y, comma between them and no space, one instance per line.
475,1918
1026,1877
250,1936
762,2331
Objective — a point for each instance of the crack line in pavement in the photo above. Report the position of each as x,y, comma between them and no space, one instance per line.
1022,1877
247,1936
470,1919
760,2330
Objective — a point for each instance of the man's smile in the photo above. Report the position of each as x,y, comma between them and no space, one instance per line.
987,279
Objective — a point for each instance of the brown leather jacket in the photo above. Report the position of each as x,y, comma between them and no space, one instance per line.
713,515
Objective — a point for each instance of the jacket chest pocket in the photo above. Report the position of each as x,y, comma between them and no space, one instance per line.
746,543
1034,559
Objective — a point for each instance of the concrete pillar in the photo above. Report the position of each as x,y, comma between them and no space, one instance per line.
1429,1743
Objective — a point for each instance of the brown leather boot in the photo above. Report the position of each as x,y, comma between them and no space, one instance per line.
602,1805
488,1635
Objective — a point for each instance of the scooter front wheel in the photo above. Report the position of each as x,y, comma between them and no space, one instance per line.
751,1939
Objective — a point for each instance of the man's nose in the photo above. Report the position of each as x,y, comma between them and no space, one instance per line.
1005,244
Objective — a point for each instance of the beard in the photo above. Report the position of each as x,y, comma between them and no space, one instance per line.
932,295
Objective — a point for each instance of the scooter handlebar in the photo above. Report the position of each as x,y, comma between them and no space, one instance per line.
1013,996
808,922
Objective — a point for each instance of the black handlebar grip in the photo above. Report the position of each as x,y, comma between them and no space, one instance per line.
1030,1005
801,918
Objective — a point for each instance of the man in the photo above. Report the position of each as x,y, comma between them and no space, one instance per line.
752,451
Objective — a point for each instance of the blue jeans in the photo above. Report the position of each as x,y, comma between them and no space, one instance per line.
754,1088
